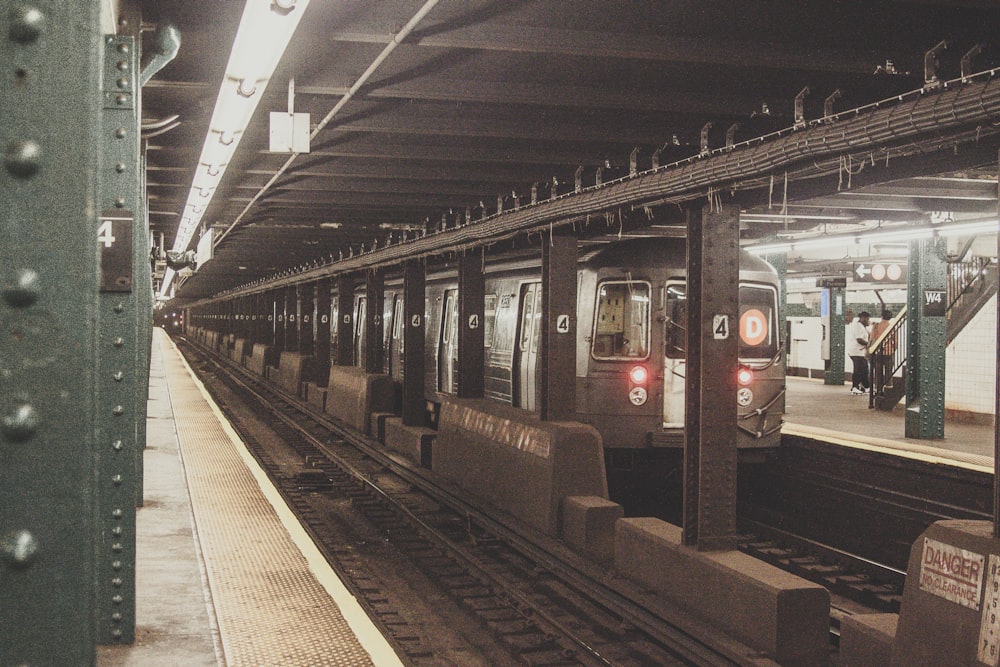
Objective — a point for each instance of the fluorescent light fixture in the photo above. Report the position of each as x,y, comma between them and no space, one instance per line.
265,30
884,236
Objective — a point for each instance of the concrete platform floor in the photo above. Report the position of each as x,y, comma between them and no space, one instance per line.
810,403
175,624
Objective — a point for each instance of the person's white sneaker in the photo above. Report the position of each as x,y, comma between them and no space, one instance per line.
857,392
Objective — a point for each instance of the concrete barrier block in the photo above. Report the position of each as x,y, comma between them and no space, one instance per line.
261,356
293,369
414,442
517,462
315,395
780,614
241,348
588,525
353,395
378,425
866,640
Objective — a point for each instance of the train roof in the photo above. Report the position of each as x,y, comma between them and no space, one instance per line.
669,251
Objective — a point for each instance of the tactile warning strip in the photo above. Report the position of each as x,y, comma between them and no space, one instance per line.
276,600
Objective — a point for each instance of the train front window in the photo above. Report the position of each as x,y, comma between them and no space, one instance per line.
621,326
758,324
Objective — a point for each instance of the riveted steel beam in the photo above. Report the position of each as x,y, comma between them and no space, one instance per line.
926,339
120,231
50,139
709,513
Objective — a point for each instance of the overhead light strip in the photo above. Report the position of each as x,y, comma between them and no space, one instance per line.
883,236
264,32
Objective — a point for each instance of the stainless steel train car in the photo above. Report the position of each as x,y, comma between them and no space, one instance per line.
631,327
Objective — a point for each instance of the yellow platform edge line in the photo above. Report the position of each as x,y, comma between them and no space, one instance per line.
370,638
926,453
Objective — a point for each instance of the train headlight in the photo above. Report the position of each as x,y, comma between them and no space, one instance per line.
637,396
744,396
638,375
744,376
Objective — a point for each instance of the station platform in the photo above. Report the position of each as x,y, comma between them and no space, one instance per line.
224,573
832,413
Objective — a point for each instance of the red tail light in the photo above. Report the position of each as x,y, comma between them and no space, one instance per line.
638,375
744,376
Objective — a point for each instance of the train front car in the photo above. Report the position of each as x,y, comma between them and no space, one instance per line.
631,356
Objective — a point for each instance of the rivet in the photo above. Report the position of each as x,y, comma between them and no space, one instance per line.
117,547
117,445
117,479
116,633
23,158
120,167
121,100
120,133
120,202
117,581
117,599
26,24
119,341
118,376
19,548
116,565
118,411
122,65
25,290
116,531
122,82
117,513
123,48
117,617
119,307
20,423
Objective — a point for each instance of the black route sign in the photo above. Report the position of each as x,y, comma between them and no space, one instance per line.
114,239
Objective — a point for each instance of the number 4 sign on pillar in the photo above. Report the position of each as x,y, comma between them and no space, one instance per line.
114,240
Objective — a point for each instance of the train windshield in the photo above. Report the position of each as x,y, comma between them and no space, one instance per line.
621,328
757,325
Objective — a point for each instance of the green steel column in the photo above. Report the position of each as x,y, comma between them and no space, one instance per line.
119,351
832,309
50,138
926,339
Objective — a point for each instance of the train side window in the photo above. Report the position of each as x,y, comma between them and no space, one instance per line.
621,325
490,312
397,321
527,316
675,336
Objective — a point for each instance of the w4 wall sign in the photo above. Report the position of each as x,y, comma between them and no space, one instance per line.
879,272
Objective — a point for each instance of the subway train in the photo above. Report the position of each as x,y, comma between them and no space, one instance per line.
631,324
630,361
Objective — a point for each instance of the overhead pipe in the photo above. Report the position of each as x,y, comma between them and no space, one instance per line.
972,107
397,39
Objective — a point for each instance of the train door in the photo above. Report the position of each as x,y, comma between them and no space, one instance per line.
526,354
359,331
674,356
448,343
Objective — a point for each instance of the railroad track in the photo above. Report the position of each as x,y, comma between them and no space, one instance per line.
540,602
805,513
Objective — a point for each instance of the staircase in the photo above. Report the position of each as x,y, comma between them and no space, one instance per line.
971,285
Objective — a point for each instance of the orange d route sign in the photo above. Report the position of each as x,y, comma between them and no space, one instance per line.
753,327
